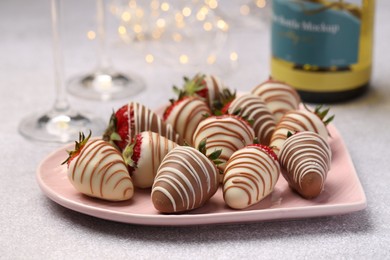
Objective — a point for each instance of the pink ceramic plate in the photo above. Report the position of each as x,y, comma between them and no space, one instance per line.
343,193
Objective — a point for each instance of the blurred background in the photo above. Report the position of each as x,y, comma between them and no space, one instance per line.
160,40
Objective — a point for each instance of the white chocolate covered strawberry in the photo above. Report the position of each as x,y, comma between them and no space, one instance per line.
279,97
134,118
305,159
144,156
300,120
185,114
250,175
252,108
97,169
186,179
207,87
228,133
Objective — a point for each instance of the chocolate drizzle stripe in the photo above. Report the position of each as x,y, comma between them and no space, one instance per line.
247,191
184,172
95,162
279,97
225,126
202,164
146,120
167,194
253,170
294,121
243,169
90,151
125,191
215,87
263,165
99,168
103,170
243,177
186,164
181,176
271,92
187,116
303,153
177,186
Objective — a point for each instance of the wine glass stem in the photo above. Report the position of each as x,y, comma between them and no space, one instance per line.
61,102
103,60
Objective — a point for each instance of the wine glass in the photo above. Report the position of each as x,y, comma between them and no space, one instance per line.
105,83
60,124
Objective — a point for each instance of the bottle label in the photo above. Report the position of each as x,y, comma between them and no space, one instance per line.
316,32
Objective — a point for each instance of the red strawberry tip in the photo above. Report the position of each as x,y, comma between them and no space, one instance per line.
225,108
266,149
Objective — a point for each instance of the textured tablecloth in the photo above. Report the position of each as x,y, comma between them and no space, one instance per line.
32,226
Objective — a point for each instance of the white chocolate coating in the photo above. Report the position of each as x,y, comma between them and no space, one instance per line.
185,180
224,132
302,154
250,175
253,108
297,121
186,116
279,97
99,171
154,148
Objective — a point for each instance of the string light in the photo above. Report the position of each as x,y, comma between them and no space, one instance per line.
213,4
137,28
211,59
132,4
126,16
160,23
186,11
261,3
165,6
139,12
177,37
222,25
91,35
122,30
207,26
202,13
233,56
154,4
183,59
245,9
159,20
149,58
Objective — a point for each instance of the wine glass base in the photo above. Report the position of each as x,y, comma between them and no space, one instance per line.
106,86
57,127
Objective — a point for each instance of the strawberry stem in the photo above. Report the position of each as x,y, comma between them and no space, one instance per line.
111,135
79,145
214,156
321,113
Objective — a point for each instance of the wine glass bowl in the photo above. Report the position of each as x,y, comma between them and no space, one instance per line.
60,127
105,83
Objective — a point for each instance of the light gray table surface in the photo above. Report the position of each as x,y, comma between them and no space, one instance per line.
34,227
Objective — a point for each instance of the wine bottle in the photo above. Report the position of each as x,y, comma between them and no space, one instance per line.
323,48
